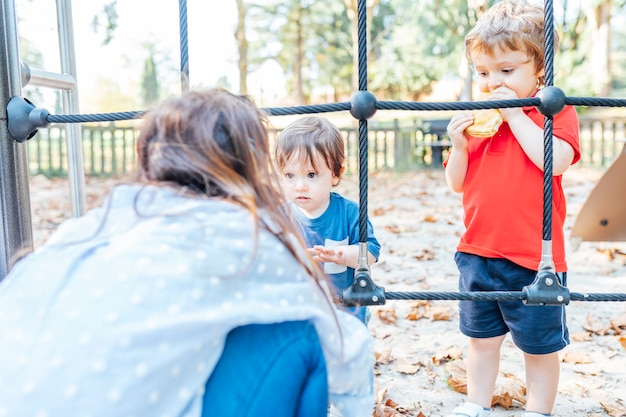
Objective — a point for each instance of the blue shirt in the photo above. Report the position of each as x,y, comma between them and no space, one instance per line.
338,225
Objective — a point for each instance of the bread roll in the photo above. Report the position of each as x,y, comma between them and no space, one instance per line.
486,122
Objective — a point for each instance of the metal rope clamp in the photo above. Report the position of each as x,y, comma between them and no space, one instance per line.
24,118
546,290
363,291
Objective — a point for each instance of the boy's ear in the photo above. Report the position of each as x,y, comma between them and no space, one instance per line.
337,178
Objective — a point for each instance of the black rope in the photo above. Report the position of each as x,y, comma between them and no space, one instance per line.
493,296
363,131
596,101
548,40
548,43
482,296
95,117
418,106
457,105
547,184
575,296
380,105
318,108
184,48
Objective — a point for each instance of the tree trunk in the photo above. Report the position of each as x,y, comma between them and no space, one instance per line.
299,58
242,46
600,55
352,10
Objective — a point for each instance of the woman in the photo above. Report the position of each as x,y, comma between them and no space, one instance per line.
128,309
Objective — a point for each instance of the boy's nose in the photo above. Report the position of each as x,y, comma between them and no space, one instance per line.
301,185
494,82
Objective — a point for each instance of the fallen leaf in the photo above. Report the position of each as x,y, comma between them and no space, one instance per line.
387,315
419,310
416,314
393,228
618,324
511,390
506,394
612,253
426,254
581,337
390,412
457,376
391,403
441,313
396,407
380,394
594,325
450,354
388,407
405,366
381,211
430,218
614,409
608,252
576,357
383,358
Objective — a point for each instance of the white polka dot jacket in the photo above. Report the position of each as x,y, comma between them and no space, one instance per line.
126,314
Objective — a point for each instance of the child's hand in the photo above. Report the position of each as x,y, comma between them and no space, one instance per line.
324,254
456,129
505,93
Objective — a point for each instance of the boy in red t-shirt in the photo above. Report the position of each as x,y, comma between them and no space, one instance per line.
501,179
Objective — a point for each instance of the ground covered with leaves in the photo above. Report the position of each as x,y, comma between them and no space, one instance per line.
419,368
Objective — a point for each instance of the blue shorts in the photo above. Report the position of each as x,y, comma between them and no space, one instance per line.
535,329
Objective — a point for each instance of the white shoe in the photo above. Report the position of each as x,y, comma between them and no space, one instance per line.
468,409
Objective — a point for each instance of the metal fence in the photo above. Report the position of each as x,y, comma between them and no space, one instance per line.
109,150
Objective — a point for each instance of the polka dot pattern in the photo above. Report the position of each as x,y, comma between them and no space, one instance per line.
133,320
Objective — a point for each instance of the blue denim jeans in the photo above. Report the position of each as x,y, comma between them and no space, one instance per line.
269,370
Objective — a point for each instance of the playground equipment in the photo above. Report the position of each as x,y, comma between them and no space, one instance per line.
24,118
362,106
603,216
14,75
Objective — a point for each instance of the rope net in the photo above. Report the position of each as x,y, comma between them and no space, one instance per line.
544,291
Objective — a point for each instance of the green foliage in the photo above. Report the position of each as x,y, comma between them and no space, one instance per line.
424,45
333,54
412,44
311,41
150,91
106,21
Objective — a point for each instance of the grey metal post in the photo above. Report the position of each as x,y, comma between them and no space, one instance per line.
76,171
17,231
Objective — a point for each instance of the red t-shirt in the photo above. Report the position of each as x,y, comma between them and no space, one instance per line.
503,196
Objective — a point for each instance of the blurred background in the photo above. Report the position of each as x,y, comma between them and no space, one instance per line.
294,52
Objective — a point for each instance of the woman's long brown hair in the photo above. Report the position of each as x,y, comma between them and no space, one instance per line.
216,144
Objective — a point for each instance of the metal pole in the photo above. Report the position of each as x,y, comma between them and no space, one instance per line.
76,171
17,230
40,78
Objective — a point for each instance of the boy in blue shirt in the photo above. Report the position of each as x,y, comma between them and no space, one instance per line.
311,157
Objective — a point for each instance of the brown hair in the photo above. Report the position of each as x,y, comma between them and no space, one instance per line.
310,136
514,25
215,144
